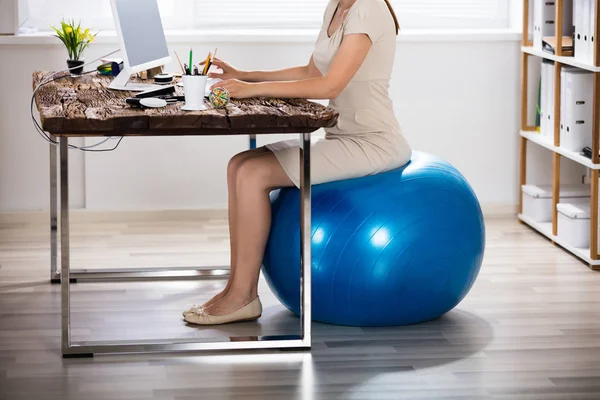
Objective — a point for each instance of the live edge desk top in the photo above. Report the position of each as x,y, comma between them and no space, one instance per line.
84,106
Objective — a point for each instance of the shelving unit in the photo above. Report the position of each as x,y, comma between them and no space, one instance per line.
573,62
545,228
548,144
529,134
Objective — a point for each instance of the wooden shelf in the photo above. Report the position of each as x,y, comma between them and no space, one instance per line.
590,255
545,228
546,142
563,60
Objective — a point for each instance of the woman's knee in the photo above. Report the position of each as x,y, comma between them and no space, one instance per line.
234,165
236,161
252,173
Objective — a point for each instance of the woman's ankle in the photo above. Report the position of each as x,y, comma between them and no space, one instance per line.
243,293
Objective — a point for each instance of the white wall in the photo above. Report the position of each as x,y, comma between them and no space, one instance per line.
457,99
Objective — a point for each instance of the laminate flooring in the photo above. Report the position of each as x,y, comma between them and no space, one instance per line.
529,328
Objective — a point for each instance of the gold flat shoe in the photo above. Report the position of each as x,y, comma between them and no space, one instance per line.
249,312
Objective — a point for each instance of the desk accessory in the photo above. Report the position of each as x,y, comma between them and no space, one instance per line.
110,68
219,97
159,101
161,91
153,102
194,87
163,79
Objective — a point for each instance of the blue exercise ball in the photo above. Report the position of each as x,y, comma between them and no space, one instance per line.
395,248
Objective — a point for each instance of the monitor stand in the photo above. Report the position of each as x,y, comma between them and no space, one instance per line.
121,82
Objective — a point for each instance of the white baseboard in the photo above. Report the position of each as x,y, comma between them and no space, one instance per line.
489,211
496,210
115,216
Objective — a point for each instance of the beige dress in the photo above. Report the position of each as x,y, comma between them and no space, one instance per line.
367,138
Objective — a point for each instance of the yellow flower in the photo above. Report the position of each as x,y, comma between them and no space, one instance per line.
91,38
87,32
68,29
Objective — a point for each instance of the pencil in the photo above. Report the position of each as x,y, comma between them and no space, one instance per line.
191,63
180,64
206,66
211,60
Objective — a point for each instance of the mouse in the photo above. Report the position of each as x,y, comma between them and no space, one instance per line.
153,102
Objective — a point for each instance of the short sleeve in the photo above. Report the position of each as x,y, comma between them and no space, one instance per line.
370,17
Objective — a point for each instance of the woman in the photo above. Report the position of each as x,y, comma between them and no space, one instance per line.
351,65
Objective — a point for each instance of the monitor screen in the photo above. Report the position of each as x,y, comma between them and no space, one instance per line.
142,31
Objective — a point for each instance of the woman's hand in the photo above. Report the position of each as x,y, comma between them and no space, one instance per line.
227,70
237,89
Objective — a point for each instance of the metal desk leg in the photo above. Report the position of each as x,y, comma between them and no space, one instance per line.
54,274
113,274
83,349
65,301
305,240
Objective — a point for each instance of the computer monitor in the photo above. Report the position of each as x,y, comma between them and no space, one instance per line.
142,40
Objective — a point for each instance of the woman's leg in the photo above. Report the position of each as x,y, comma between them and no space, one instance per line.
254,178
232,171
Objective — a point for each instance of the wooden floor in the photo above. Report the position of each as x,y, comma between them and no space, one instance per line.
529,329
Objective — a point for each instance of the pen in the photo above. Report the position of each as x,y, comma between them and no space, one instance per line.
191,63
195,70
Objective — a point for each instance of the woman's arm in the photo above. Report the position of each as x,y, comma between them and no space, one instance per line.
287,74
349,58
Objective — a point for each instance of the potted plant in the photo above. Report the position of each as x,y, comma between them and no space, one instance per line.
76,40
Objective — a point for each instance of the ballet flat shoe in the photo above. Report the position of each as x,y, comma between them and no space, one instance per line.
249,312
191,309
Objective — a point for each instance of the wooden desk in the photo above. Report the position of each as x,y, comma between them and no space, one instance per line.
84,107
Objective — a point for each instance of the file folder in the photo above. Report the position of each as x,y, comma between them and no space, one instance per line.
544,20
547,125
576,109
584,20
579,51
592,30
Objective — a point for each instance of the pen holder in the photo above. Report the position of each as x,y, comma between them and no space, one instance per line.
193,88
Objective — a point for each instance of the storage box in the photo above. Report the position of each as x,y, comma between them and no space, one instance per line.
574,223
537,199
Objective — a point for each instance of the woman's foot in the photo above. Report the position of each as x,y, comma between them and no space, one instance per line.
226,311
231,302
210,302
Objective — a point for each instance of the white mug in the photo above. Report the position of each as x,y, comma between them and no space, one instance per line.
193,88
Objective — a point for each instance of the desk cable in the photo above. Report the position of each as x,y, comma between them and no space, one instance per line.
51,78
